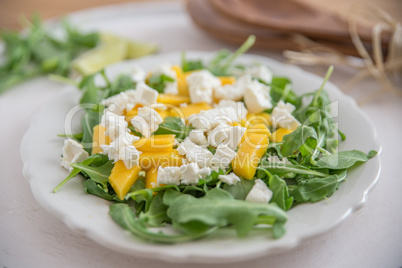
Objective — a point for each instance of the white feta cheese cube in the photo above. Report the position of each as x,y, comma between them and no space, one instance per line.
207,120
260,72
222,157
115,125
73,152
145,95
191,173
122,149
123,101
260,193
138,74
168,176
218,135
198,137
229,179
239,107
195,153
257,98
166,69
236,133
201,85
233,92
147,121
281,116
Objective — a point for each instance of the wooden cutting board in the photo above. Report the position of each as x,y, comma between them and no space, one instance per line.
228,29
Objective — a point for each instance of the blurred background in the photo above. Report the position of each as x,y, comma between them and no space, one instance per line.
11,10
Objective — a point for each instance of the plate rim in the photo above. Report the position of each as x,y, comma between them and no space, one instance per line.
186,257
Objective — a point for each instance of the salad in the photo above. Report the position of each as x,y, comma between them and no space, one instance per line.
204,146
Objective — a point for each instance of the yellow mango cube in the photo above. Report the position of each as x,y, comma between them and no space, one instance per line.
99,138
249,154
173,99
227,80
122,179
149,160
151,178
155,143
257,118
187,111
278,134
256,129
182,86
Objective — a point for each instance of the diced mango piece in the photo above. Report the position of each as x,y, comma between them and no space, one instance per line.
249,154
173,99
181,81
227,80
256,129
278,134
99,138
121,179
259,118
190,109
150,160
151,178
155,143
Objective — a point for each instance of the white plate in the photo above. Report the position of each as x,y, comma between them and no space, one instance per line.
88,215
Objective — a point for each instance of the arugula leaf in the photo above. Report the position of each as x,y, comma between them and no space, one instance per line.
98,174
156,215
188,65
293,141
174,125
314,190
283,169
91,187
344,160
88,121
158,82
36,52
219,208
95,160
280,193
124,215
240,189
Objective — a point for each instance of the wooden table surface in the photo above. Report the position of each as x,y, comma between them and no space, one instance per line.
12,10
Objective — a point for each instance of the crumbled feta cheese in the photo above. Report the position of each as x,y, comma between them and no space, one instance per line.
73,152
191,173
147,121
201,85
122,149
260,193
195,153
137,74
222,157
115,125
230,178
236,133
207,120
275,160
257,98
145,95
260,72
218,135
126,100
168,176
123,101
237,106
282,116
233,92
198,137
